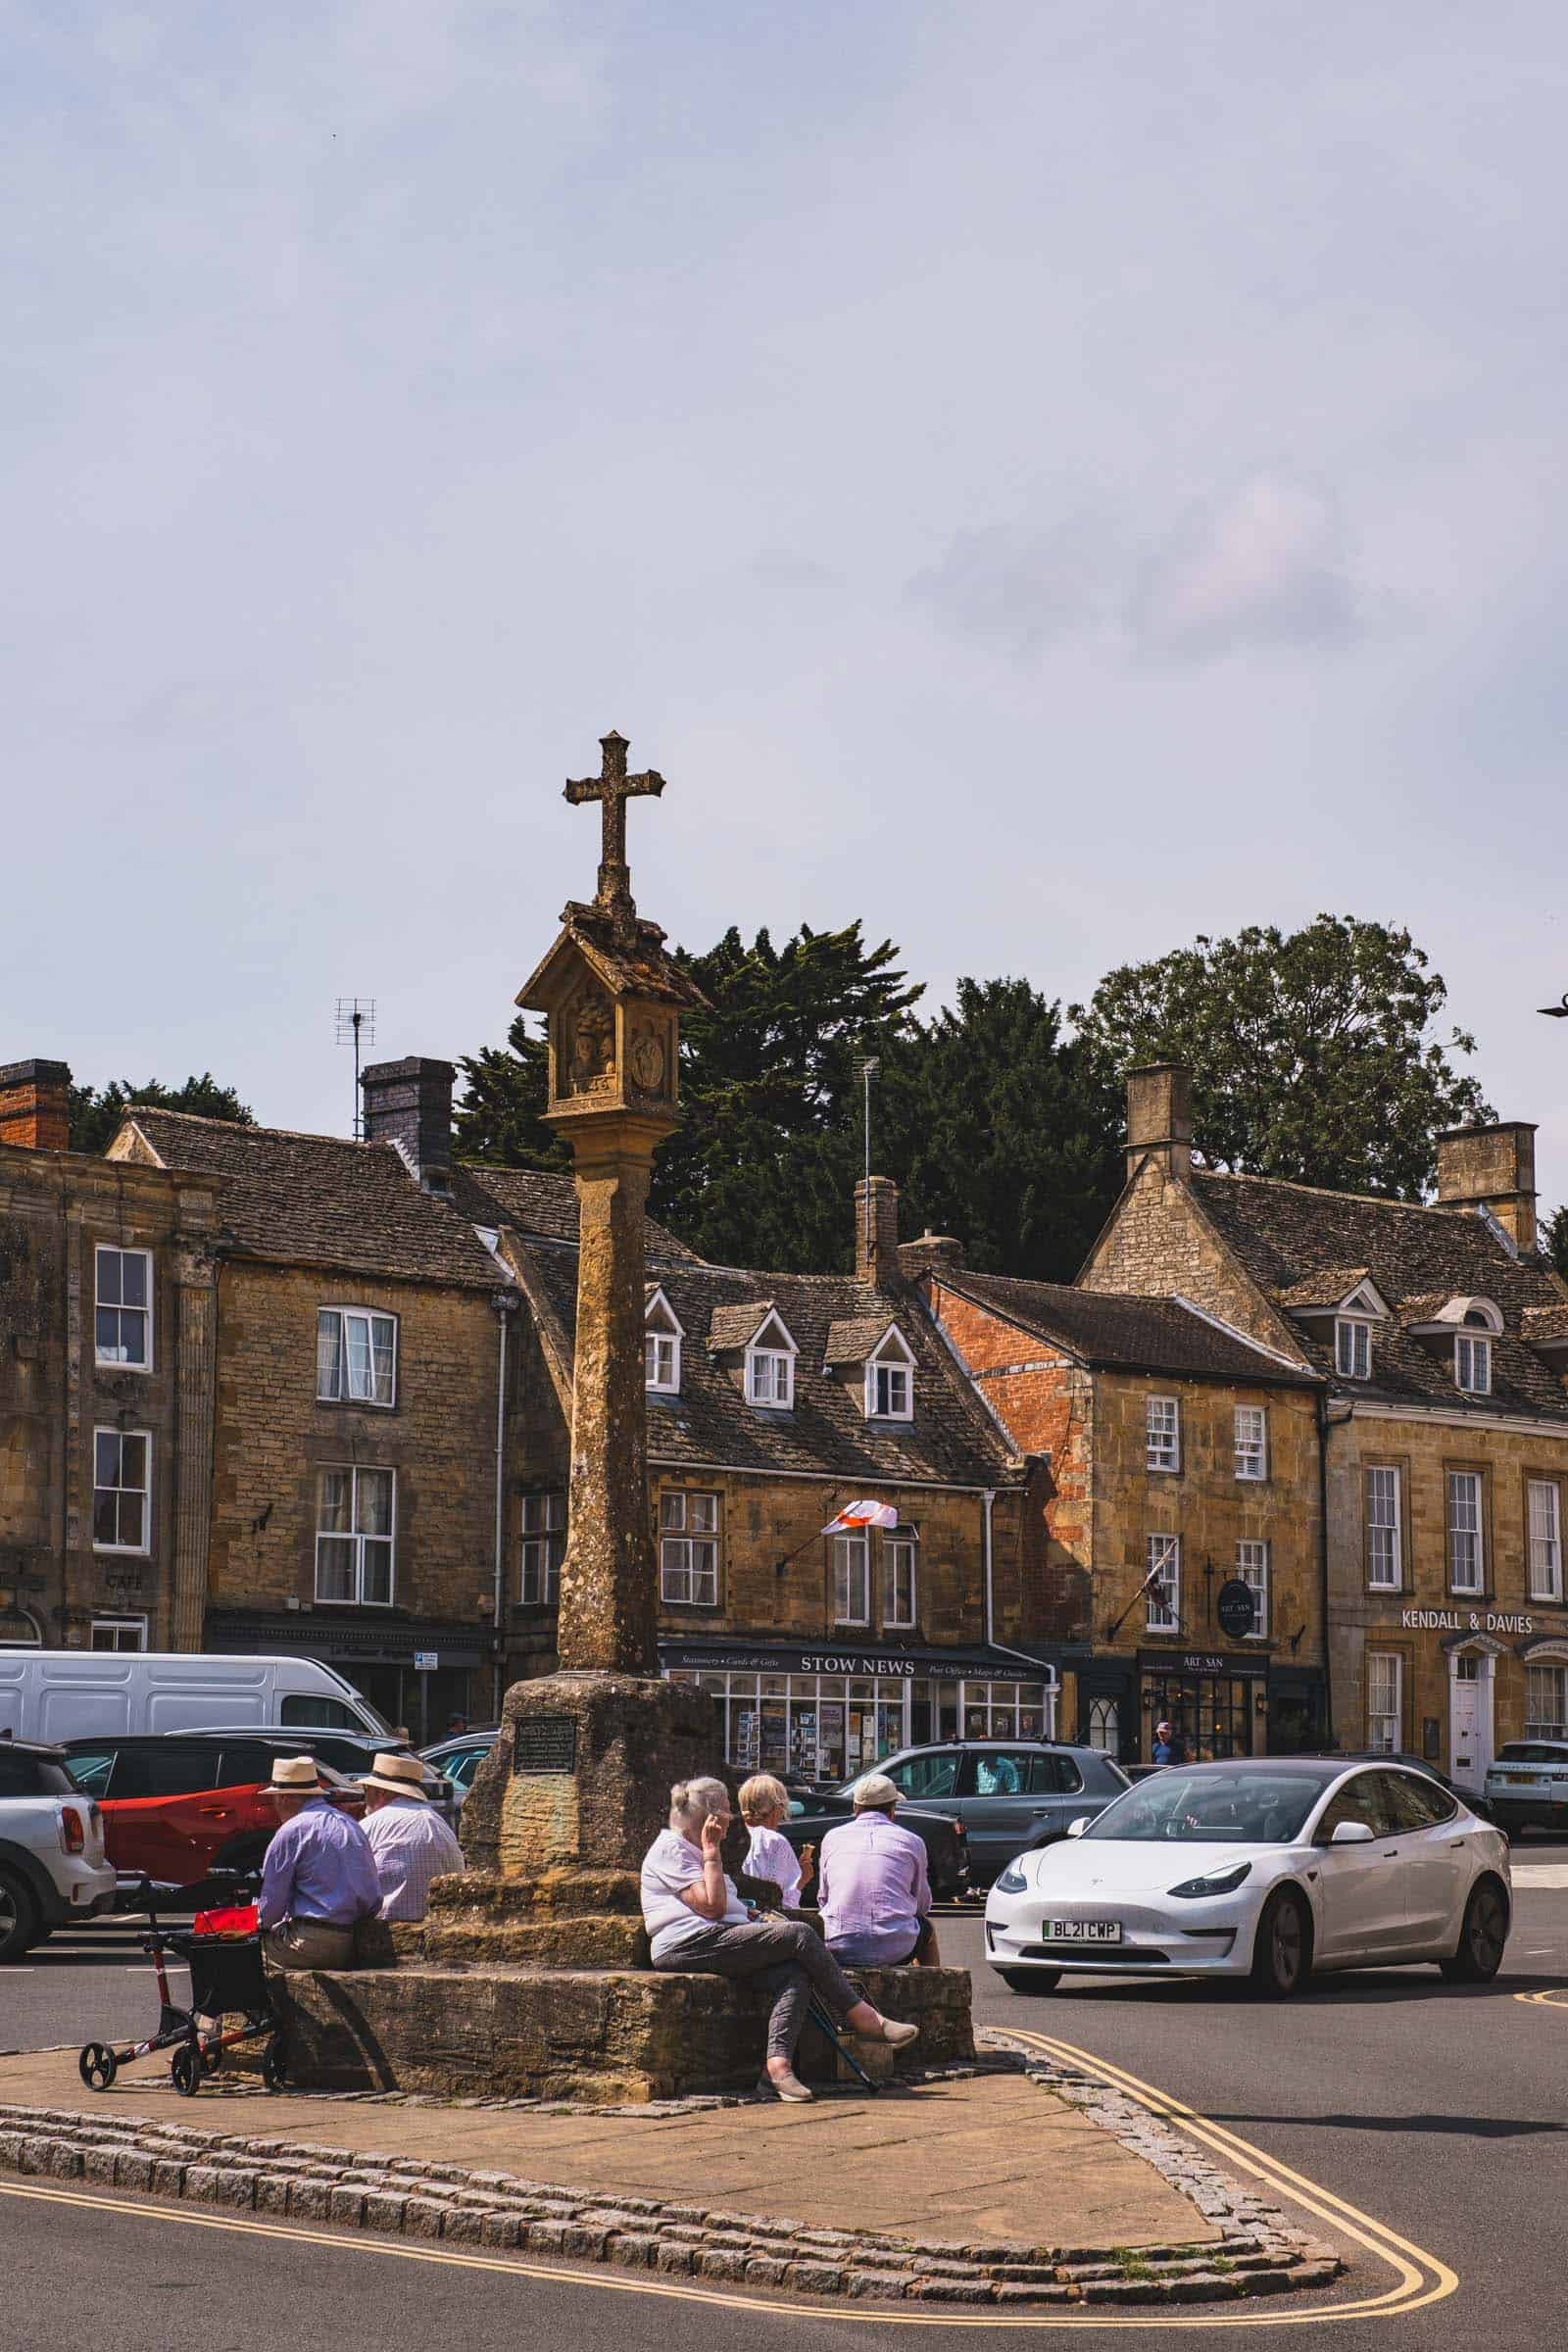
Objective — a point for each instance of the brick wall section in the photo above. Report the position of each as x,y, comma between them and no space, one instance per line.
35,1105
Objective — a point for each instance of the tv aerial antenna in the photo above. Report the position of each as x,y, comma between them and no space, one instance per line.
355,1019
867,1070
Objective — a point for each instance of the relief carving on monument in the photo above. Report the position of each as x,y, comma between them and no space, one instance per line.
588,1043
650,1057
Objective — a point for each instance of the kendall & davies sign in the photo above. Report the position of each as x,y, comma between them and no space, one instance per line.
1463,1621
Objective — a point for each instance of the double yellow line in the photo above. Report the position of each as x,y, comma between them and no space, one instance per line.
1419,2278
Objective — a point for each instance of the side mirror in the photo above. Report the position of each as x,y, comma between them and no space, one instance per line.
1076,1828
1351,1832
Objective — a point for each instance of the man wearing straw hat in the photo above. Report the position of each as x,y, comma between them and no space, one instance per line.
318,1880
408,1838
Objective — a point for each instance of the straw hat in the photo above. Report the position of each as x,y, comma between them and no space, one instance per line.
296,1776
399,1776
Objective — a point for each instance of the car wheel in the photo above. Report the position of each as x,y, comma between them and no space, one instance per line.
1030,1979
1482,1938
1282,1954
19,1923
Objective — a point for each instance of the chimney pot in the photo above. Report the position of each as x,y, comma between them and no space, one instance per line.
35,1105
408,1103
927,1256
1159,1118
1492,1167
877,1234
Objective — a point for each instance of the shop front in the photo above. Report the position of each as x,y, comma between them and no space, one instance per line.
825,1714
1216,1700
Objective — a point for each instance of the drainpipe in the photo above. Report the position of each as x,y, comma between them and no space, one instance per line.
1047,1674
1324,1425
505,1307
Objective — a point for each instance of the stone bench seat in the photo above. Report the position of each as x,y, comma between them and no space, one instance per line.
504,2029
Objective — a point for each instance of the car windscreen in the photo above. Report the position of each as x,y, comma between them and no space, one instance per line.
1214,1807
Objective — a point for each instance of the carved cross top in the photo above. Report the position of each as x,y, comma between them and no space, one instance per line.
613,788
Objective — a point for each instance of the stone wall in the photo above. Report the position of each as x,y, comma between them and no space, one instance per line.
1160,1243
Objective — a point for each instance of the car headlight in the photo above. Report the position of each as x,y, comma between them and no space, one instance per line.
1219,1882
1012,1880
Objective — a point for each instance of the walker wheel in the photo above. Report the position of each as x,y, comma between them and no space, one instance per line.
275,2064
185,2069
97,2065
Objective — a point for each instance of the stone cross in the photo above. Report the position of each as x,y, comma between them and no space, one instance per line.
613,788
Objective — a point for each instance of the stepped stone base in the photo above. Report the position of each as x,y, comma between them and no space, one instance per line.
603,2036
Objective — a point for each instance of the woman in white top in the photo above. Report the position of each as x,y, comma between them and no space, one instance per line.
696,1919
764,1802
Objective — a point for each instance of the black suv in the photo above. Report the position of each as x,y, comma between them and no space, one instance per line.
1006,1794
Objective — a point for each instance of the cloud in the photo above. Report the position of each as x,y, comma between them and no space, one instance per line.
1014,588
1260,564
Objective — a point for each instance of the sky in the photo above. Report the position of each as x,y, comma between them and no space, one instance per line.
1048,479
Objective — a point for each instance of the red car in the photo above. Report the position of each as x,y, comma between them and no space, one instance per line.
176,1808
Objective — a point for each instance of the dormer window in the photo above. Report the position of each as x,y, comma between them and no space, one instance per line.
890,1380
1472,1364
661,1337
770,1367
1352,1347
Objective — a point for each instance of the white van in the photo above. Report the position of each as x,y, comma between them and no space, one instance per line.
86,1694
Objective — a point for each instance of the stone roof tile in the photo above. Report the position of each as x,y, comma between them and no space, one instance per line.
1123,1332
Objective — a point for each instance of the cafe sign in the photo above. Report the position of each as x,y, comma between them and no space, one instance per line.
1463,1621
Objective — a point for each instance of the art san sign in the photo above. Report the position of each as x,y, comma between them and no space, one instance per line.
1463,1621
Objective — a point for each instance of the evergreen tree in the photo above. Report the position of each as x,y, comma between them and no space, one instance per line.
96,1112
1311,1054
1554,1239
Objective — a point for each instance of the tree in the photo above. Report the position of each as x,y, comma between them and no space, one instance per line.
763,1167
1002,1133
96,1112
1554,1239
1311,1054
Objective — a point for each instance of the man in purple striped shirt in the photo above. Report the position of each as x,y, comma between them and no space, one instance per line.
872,1889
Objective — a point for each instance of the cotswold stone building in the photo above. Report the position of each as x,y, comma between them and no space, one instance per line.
1440,1339
107,1331
1183,1464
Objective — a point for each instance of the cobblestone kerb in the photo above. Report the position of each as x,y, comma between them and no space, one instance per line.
1258,2254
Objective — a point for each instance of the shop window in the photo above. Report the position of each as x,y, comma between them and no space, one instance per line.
355,1513
1163,1448
1467,1565
1546,1540
688,1548
851,1581
1383,1563
1252,1441
1352,1347
122,1317
1164,1586
1546,1703
544,1547
899,1551
1251,1567
356,1356
1385,1705
122,1489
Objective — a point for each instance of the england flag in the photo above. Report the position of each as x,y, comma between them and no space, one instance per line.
862,1514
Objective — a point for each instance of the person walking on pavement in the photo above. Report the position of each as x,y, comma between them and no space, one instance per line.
1169,1745
318,1878
411,1842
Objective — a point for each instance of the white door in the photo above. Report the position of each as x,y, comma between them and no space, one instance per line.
1470,1737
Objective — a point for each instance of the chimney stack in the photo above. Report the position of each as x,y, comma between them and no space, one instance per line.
1492,1167
1159,1118
930,1254
877,1233
35,1105
410,1104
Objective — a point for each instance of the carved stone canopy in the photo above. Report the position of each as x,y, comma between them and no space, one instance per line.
611,998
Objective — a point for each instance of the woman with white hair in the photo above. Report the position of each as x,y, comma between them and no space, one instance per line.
696,1919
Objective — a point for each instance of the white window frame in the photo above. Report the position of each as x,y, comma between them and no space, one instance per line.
661,1341
1466,1490
541,1547
1538,1725
1163,1616
901,1559
1384,1701
770,1367
1472,1363
1544,1533
1251,1451
1162,1437
1353,1347
852,1565
135,1552
101,1306
1393,1528
370,1316
891,1363
358,1535
117,1626
689,1549
1252,1569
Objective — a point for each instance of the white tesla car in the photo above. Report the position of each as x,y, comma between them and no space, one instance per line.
1267,1867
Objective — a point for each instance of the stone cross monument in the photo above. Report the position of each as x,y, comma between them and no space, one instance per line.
579,1778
